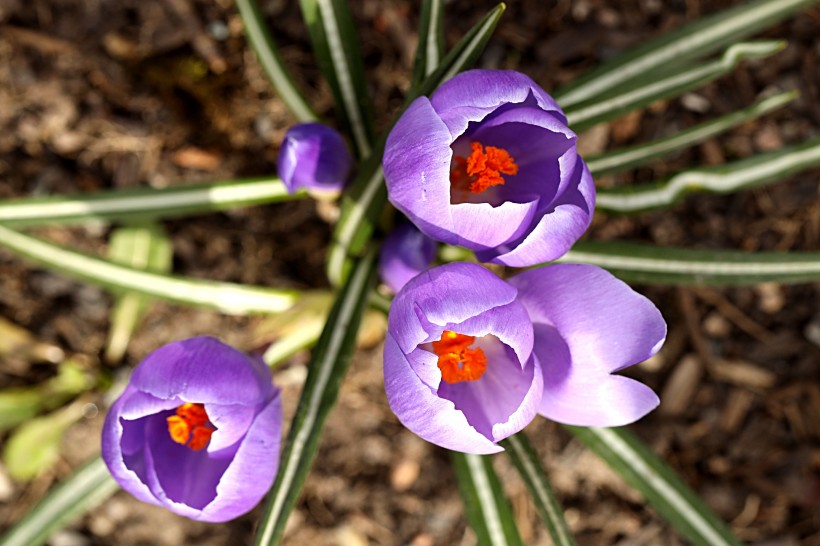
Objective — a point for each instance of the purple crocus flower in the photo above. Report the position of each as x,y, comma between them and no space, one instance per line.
488,163
406,252
470,359
196,431
315,157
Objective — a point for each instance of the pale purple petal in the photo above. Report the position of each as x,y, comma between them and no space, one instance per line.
253,468
588,324
406,252
420,410
473,94
203,370
505,399
417,170
448,294
315,157
556,231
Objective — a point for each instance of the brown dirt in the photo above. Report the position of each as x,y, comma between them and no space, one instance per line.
98,95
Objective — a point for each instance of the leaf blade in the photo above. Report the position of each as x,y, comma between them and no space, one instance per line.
748,173
488,510
87,487
523,456
143,204
658,483
329,362
670,265
267,53
223,296
583,115
689,42
626,158
336,47
430,42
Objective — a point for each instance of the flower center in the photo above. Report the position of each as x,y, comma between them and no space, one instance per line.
456,360
190,426
482,168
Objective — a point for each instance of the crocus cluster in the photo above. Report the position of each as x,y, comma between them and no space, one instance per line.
197,430
470,359
488,163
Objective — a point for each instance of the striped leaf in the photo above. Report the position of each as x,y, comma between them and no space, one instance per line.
267,53
143,247
535,477
765,168
336,47
87,487
226,297
670,84
143,204
662,488
692,41
328,364
488,510
430,47
366,198
665,265
627,158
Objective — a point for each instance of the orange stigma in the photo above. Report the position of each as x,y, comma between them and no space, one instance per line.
482,169
190,426
456,360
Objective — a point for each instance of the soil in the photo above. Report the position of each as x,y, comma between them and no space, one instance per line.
97,95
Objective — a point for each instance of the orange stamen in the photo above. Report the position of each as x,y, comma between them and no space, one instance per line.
191,426
482,169
456,360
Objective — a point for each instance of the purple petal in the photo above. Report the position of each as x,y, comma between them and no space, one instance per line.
315,157
471,95
119,435
556,231
253,469
589,324
203,370
417,170
406,252
505,399
448,294
482,226
420,410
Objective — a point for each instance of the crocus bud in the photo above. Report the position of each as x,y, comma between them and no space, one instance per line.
314,157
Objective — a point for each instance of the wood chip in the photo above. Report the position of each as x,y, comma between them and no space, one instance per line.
197,159
743,374
681,386
737,407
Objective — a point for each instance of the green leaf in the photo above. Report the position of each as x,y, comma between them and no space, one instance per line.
431,40
535,477
487,508
692,41
668,265
662,488
17,405
328,365
748,173
626,158
139,247
337,50
143,204
87,487
655,87
225,297
366,198
268,55
35,445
